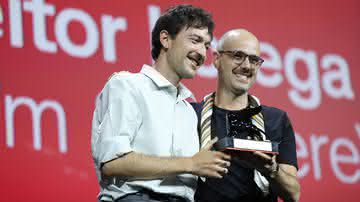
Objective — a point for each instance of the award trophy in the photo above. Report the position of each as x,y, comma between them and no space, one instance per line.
243,135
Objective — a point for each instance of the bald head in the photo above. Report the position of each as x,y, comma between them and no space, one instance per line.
238,37
237,60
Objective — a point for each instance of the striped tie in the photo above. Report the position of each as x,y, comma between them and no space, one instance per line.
205,124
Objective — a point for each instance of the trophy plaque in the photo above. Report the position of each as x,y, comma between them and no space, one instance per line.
243,135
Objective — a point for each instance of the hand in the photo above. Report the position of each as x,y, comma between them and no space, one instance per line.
260,161
208,163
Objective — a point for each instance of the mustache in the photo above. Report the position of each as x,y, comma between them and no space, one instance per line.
197,57
244,71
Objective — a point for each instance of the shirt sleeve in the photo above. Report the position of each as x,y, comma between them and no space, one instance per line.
116,120
287,146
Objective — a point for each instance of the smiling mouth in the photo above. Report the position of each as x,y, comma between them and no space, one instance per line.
242,73
194,61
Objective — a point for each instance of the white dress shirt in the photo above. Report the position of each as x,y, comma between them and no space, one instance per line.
144,113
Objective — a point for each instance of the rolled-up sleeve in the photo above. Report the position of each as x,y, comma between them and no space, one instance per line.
116,120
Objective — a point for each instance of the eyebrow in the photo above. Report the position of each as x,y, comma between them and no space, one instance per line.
237,50
200,38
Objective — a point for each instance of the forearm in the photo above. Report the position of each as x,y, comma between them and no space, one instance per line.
136,165
285,185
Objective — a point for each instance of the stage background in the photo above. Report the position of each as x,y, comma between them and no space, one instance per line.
57,55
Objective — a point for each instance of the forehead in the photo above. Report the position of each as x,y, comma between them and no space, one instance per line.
197,32
247,45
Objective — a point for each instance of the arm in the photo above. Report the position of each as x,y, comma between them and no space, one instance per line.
284,183
204,163
282,177
116,119
280,170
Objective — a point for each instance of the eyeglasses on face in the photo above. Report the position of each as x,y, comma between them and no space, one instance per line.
239,57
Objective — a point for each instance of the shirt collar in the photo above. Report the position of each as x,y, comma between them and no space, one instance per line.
162,82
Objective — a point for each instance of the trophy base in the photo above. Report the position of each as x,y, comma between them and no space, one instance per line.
237,144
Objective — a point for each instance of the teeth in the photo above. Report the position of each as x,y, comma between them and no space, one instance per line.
194,61
242,76
241,73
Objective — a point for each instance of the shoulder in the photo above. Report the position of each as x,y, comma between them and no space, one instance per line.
273,112
125,81
123,77
275,118
120,85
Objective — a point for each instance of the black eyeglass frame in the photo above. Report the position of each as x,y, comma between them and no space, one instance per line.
253,59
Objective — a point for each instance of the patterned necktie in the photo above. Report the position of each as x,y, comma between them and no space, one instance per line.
205,127
205,123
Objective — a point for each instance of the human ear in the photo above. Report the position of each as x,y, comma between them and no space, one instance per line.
164,38
216,60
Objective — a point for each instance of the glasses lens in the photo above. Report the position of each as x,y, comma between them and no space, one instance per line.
239,56
255,60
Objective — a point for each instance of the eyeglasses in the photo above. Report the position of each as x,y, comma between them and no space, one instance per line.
239,57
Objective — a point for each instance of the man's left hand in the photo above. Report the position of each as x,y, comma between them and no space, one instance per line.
260,161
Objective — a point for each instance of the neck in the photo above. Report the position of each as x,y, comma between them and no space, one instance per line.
164,69
228,100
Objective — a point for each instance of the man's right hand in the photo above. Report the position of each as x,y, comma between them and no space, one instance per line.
207,163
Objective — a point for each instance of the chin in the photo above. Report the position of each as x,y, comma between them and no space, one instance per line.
241,89
190,73
188,76
239,92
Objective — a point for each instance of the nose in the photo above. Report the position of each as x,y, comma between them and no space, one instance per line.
202,51
246,62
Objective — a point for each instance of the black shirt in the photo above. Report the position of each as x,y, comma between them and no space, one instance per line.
238,184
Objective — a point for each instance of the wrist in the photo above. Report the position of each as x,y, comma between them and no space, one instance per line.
187,164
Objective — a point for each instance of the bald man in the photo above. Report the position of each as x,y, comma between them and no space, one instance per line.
252,176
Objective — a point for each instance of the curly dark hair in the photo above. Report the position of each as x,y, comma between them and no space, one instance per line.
175,19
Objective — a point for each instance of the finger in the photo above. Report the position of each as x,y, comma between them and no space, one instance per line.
213,174
267,166
220,169
273,162
263,156
273,158
223,156
225,171
223,163
216,175
210,144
